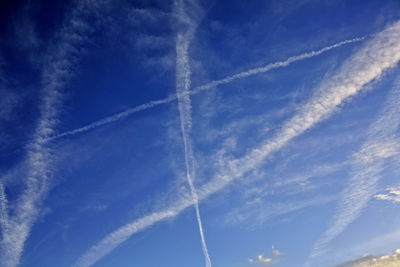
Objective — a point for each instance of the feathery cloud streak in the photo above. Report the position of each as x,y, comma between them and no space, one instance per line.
183,81
208,86
39,159
378,54
366,168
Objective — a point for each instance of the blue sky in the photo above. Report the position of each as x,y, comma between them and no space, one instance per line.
199,133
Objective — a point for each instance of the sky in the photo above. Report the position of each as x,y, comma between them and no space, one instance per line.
199,133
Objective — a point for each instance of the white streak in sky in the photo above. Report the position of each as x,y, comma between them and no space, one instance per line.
210,85
183,84
116,117
369,63
367,165
39,159
183,81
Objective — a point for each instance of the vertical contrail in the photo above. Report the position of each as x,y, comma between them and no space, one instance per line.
184,104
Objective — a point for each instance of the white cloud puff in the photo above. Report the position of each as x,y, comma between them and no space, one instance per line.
261,259
392,194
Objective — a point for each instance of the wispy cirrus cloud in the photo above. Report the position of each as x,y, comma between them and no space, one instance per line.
257,212
152,35
369,63
208,86
39,159
259,204
367,165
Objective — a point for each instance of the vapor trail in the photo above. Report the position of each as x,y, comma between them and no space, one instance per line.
210,85
184,104
116,117
183,81
378,55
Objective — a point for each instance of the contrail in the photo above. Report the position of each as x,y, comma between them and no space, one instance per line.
39,158
368,164
183,84
379,54
183,81
116,117
210,85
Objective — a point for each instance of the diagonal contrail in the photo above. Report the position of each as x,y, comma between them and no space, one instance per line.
183,81
368,64
210,85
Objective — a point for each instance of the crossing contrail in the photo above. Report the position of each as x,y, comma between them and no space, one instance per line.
207,86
